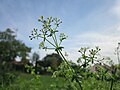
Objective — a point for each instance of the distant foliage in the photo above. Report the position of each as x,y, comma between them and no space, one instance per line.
10,47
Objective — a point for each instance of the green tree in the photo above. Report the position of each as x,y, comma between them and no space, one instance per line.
10,47
53,60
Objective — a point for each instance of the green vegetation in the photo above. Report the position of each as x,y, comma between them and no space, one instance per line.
89,73
10,47
29,82
75,77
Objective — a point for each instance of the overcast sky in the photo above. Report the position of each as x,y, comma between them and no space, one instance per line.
86,22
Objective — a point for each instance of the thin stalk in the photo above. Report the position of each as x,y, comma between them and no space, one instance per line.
111,86
64,58
60,43
118,55
47,40
50,43
112,81
55,39
70,68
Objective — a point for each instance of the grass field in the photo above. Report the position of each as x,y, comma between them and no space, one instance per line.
44,82
30,82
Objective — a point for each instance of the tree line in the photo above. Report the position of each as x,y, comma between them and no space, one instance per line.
10,48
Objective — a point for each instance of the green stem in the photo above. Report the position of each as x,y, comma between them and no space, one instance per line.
111,86
50,43
60,43
60,53
64,58
54,41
